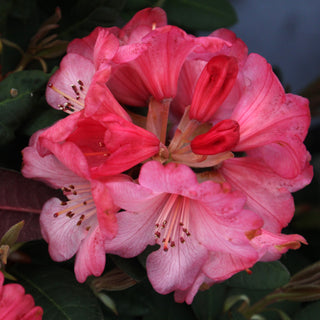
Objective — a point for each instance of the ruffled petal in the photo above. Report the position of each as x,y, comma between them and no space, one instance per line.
271,246
221,266
177,268
267,194
271,121
91,256
47,168
135,233
225,232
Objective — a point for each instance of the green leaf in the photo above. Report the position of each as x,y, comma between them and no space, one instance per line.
311,312
42,119
58,293
130,266
204,15
265,275
207,305
18,100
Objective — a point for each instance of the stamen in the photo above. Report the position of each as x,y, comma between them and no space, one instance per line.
173,222
68,107
154,25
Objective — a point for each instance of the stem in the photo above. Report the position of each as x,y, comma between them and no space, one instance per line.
260,306
157,118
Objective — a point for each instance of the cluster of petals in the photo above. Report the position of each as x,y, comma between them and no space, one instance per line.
15,304
185,143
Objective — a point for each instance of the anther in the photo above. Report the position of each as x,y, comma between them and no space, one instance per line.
157,234
70,214
74,88
79,222
56,215
63,203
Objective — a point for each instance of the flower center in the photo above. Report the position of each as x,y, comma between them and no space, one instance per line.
80,205
75,99
172,225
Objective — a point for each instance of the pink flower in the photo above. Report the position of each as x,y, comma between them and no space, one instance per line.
229,116
15,304
271,127
188,220
201,228
78,225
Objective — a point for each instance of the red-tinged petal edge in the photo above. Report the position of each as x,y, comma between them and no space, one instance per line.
220,138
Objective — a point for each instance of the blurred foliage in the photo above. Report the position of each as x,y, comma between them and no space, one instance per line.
24,56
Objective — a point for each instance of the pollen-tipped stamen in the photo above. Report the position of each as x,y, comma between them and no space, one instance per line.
172,225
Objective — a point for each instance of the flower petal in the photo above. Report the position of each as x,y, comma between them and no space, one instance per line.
62,233
271,121
68,86
272,245
177,268
91,257
267,193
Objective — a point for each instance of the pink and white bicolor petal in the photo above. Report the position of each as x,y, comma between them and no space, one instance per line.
68,86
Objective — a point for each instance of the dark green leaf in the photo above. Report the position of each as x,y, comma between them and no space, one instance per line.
265,275
58,293
205,15
18,99
311,312
90,15
133,301
208,304
130,266
41,120
164,307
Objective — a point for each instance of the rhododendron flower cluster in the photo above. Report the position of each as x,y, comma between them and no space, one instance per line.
15,304
188,144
